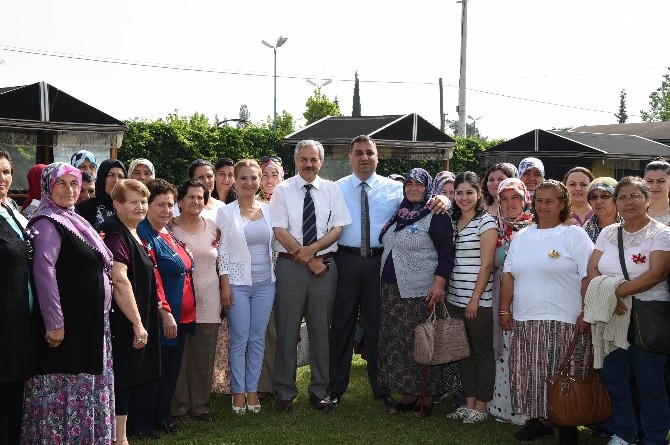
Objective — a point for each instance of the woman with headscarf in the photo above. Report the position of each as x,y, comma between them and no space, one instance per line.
417,261
71,397
85,161
272,174
531,172
134,316
601,198
142,169
16,297
469,296
31,203
513,215
97,209
443,184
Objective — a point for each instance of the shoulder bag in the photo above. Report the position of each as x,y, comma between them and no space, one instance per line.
650,320
440,340
574,402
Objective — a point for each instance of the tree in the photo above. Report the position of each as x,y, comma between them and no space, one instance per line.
622,116
319,106
285,124
245,116
356,110
471,129
659,102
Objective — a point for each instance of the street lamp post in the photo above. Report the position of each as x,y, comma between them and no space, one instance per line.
280,41
318,87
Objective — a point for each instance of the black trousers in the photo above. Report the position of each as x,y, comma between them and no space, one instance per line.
11,411
140,401
358,288
170,365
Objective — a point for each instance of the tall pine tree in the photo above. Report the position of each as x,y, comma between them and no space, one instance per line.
356,111
622,116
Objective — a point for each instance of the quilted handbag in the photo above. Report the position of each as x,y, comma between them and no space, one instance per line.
303,346
574,402
440,340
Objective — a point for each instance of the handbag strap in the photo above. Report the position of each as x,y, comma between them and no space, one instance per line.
621,257
571,350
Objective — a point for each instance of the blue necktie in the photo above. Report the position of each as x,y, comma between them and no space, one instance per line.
308,218
365,222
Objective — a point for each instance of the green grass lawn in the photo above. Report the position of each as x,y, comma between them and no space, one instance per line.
358,420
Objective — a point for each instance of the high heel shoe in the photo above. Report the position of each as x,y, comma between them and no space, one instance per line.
254,408
239,409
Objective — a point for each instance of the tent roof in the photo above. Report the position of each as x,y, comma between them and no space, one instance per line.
657,131
41,106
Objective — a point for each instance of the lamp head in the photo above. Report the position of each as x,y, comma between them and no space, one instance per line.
281,40
266,44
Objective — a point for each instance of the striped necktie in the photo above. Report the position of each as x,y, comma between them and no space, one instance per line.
308,218
365,221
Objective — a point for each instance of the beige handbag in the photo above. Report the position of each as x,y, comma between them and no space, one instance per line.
440,340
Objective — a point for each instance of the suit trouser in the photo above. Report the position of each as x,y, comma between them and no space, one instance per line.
298,291
358,286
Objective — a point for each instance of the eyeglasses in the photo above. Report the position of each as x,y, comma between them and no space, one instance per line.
603,197
631,197
271,158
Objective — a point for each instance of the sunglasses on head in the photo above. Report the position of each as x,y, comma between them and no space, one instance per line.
271,158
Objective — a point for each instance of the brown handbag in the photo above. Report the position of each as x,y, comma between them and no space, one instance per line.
574,402
440,340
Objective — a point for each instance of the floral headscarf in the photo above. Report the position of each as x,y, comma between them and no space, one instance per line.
508,226
528,163
440,179
410,212
79,157
67,217
603,183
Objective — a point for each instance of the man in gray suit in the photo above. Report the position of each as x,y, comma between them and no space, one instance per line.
308,215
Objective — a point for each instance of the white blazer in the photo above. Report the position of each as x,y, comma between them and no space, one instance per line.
234,256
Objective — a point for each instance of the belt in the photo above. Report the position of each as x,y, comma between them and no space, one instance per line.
288,256
357,250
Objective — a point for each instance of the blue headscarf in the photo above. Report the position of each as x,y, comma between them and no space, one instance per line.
410,212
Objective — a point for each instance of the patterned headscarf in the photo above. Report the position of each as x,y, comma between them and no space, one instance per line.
79,157
528,163
34,190
603,183
410,212
141,161
440,179
270,162
507,226
67,217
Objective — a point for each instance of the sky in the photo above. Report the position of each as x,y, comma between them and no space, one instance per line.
530,63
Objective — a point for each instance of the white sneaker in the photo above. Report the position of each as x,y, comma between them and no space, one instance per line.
461,413
616,440
475,417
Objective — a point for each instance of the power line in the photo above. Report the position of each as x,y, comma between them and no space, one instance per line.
196,69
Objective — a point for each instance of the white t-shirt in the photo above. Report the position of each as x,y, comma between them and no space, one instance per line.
548,266
637,248
468,262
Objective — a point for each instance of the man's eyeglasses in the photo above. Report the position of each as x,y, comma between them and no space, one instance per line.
271,158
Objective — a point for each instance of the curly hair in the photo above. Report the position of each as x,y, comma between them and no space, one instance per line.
472,179
159,187
563,195
182,191
488,198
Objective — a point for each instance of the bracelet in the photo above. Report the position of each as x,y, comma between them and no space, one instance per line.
504,313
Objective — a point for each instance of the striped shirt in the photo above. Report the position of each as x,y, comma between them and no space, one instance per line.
467,262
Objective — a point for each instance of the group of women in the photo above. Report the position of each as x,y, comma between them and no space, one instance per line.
517,258
95,362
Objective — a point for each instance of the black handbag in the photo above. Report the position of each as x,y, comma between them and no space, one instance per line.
649,320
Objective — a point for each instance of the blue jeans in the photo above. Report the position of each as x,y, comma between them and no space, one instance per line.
247,322
648,369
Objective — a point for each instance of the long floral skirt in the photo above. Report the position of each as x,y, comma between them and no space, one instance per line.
221,375
397,369
71,408
537,349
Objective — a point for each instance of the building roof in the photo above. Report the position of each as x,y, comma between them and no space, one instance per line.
342,129
575,144
41,106
657,131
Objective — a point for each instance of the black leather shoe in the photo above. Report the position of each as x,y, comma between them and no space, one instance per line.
333,398
387,399
285,406
320,404
534,429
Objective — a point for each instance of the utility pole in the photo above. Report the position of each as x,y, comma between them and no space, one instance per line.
441,107
461,80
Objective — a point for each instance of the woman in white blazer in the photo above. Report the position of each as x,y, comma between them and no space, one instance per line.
247,283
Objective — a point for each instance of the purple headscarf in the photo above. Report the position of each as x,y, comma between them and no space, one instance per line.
440,179
410,212
67,217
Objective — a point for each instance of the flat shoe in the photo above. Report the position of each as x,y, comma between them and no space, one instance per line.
534,429
461,413
475,417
